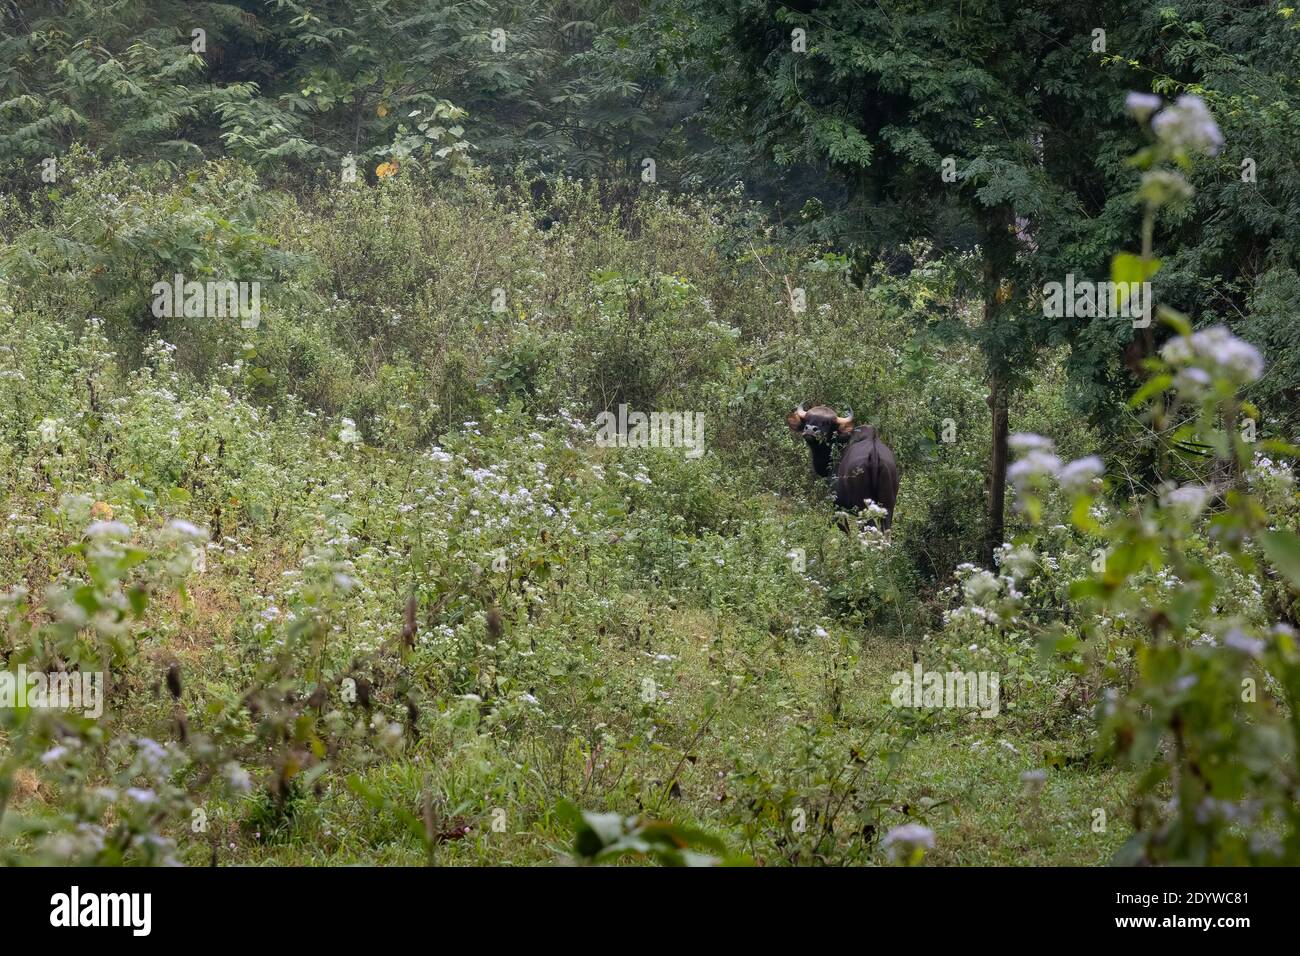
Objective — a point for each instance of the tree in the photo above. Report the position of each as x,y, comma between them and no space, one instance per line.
941,117
1229,253
579,87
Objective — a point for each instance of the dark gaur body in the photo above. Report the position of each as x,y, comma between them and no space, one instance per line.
867,469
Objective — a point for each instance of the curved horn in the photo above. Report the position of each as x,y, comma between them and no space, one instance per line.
846,422
801,412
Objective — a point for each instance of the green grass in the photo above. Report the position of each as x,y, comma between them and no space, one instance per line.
962,776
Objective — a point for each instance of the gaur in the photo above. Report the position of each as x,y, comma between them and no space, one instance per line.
867,470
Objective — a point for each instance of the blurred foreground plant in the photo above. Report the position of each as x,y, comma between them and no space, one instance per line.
1209,714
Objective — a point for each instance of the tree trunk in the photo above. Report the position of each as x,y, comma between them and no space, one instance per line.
999,254
998,470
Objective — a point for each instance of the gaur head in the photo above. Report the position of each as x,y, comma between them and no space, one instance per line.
821,428
820,423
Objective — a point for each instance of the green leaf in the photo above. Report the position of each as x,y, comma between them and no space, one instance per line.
1088,588
1155,385
1081,515
1278,447
1127,268
1283,549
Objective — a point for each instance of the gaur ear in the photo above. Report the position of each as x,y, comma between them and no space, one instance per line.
846,423
795,418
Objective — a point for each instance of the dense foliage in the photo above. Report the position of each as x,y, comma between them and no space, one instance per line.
364,585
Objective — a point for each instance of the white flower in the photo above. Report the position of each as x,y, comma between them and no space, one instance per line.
1219,351
1189,499
183,529
1192,381
980,587
1019,562
237,778
907,838
348,433
48,430
1188,125
153,752
1079,475
108,529
1033,468
1027,441
873,510
1142,105
1034,780
1247,645
1264,466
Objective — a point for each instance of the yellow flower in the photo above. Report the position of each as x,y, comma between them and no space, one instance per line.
101,511
382,109
384,170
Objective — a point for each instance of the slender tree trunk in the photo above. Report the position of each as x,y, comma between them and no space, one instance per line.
998,470
999,253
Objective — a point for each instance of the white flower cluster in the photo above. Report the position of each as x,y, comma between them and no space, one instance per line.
1078,475
872,510
108,529
1250,646
988,599
1188,500
981,586
1142,105
1187,124
903,840
1039,462
1213,353
1184,125
348,433
1019,562
1264,467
